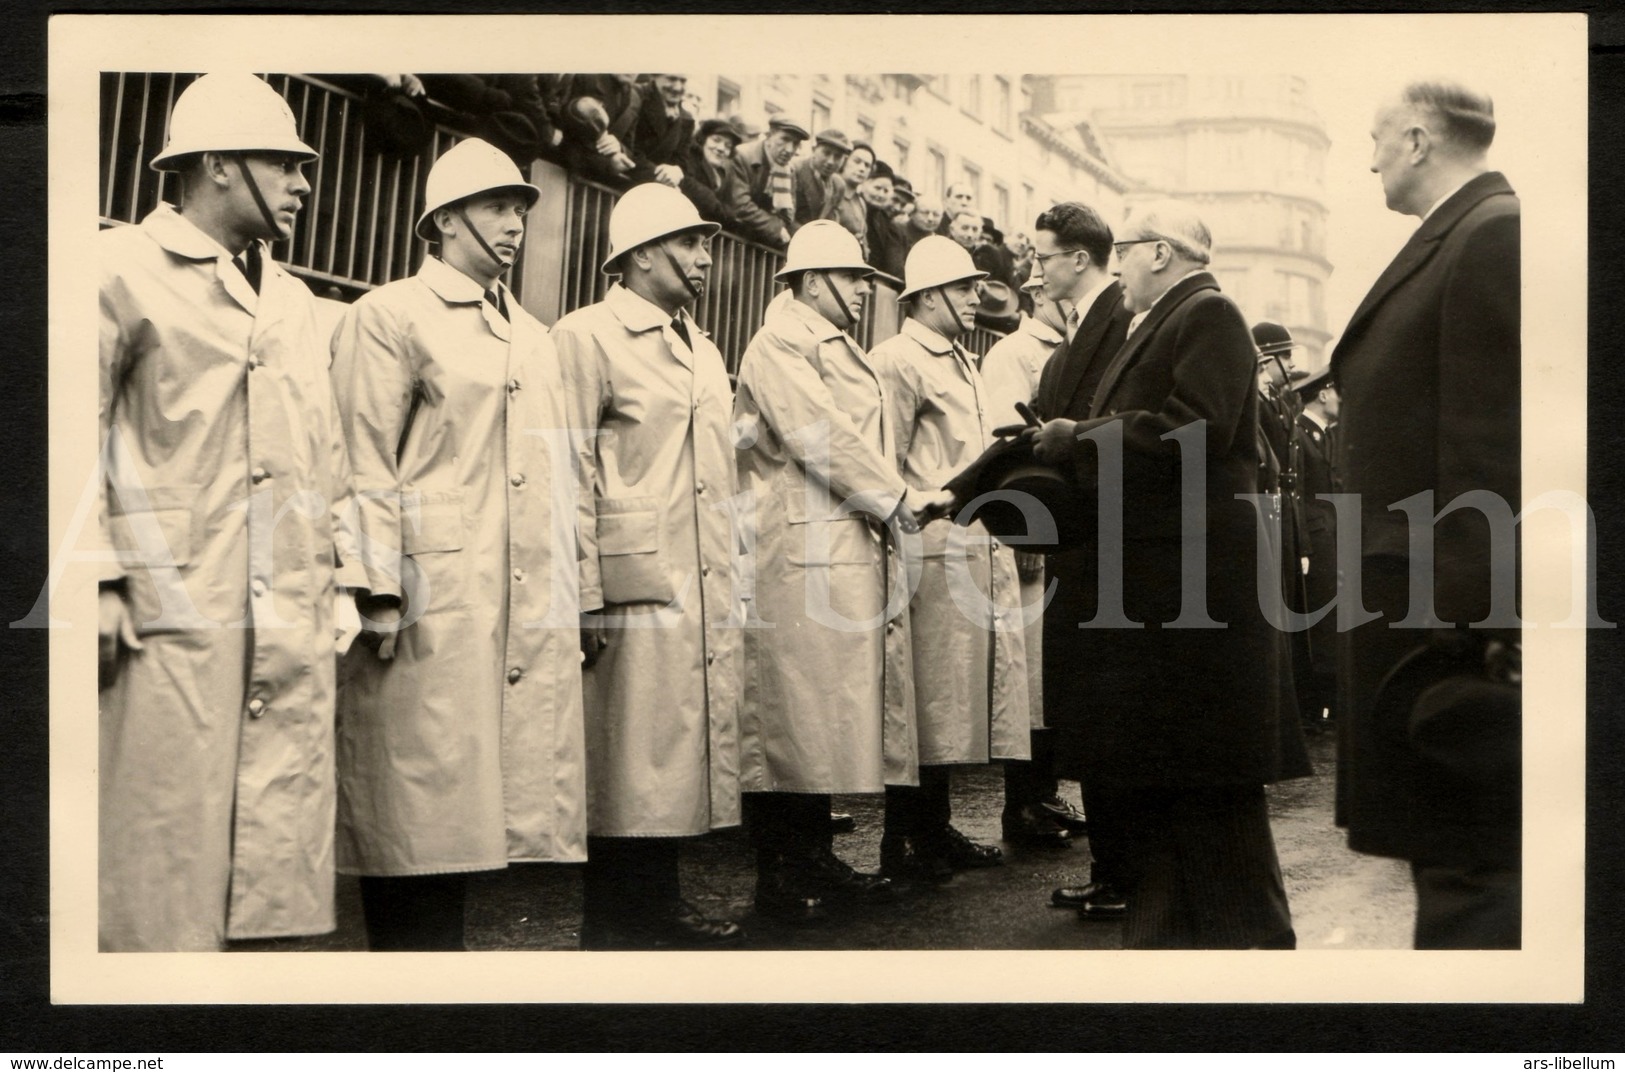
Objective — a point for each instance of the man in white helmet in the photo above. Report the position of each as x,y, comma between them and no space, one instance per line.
1012,370
460,723
651,401
969,651
830,707
226,484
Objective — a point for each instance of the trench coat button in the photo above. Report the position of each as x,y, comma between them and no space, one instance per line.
256,707
514,675
518,574
699,489
518,480
994,544
891,627
513,385
259,475
705,571
710,657
257,587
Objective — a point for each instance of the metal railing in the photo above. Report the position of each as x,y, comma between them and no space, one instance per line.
356,230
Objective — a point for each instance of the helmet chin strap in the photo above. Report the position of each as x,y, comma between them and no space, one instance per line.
692,289
846,308
254,189
502,263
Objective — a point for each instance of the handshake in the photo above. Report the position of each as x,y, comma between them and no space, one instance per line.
918,509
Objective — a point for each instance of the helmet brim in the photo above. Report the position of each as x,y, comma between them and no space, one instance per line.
706,226
425,225
910,292
171,157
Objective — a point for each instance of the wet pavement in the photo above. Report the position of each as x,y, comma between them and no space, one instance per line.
1340,899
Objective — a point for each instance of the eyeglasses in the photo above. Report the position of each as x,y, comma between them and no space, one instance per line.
1042,257
1117,247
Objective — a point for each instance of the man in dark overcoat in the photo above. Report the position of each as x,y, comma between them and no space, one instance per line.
1316,477
1429,371
1072,257
1182,725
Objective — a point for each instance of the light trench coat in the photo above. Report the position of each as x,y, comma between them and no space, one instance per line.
226,486
659,556
969,650
465,751
829,700
1010,372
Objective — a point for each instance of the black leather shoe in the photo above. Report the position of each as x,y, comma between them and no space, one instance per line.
1064,814
964,854
841,822
904,860
782,895
1032,828
1097,900
684,927
836,881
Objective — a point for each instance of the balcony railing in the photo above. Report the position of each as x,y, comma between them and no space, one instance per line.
356,230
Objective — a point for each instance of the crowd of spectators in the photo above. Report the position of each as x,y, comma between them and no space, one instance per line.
761,183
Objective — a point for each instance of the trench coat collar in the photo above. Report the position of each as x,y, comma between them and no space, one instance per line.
455,288
933,341
1425,241
182,238
638,314
1031,325
813,321
1170,300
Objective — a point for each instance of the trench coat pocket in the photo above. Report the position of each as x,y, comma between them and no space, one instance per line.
839,541
629,561
433,572
155,542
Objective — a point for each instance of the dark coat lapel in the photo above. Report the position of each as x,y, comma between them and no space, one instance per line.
1136,342
1081,353
1424,243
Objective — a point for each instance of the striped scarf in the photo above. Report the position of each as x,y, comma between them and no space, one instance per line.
779,186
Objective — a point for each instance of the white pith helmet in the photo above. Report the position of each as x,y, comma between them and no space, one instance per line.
823,244
230,112
470,167
649,211
935,261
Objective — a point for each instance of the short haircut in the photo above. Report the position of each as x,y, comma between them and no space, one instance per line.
962,213
1175,223
1465,118
1077,226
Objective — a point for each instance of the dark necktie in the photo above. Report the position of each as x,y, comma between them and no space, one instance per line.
495,298
248,263
682,331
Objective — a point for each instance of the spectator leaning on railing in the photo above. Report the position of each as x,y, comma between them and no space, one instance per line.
664,128
764,198
847,209
597,112
814,178
708,175
887,249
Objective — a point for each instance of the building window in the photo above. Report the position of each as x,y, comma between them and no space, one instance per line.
866,129
971,176
1001,105
939,173
727,97
900,157
970,97
1029,210
1001,204
901,89
820,114
1146,95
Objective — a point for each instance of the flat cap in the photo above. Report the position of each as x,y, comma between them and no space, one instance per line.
788,126
835,139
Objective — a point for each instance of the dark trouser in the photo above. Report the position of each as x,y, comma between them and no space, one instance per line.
922,810
1468,907
1030,781
1203,871
414,913
630,879
793,825
1107,849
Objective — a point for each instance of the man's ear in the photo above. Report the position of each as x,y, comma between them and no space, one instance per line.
445,221
213,166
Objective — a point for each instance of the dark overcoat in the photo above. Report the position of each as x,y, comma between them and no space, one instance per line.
1180,707
1428,370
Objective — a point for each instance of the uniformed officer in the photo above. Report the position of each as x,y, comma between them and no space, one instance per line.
226,489
460,725
1316,428
968,641
830,707
651,401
